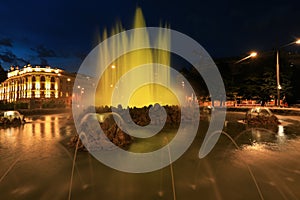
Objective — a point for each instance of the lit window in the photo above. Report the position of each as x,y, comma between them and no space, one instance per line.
37,94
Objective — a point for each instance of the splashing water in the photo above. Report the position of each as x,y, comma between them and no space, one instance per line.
111,81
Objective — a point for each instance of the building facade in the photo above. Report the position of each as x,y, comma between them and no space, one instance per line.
37,86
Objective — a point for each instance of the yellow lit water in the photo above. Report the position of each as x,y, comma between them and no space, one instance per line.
146,94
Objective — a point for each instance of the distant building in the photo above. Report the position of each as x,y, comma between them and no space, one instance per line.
38,86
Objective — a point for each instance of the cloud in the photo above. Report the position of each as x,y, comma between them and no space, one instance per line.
80,55
8,57
44,52
11,58
6,42
44,61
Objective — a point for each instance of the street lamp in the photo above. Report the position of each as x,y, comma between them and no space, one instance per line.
251,55
277,69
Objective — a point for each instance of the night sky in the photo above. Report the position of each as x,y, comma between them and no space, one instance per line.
60,33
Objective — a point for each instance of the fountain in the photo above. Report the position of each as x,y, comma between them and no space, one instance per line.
147,94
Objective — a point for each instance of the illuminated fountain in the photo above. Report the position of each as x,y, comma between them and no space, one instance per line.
111,80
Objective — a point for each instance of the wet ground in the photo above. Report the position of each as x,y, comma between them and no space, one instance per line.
36,163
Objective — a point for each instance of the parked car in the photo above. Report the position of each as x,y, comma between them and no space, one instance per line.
11,117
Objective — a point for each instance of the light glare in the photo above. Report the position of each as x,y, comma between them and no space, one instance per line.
253,54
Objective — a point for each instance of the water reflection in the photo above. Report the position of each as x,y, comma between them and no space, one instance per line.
43,167
44,126
262,135
280,130
281,137
32,136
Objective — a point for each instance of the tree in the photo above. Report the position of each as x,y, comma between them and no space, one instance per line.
250,87
268,86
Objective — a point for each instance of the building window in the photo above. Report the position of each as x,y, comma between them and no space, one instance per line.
33,83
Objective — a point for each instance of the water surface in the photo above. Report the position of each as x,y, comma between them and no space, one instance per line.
36,163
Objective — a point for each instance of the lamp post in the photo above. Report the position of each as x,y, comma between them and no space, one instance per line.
277,70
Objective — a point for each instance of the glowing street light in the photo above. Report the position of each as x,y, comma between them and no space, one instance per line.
251,55
277,69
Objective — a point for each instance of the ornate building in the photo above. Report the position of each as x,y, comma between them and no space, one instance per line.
37,86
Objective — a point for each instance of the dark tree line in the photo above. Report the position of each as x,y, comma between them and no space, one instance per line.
253,78
256,78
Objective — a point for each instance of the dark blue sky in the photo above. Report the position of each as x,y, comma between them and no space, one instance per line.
61,32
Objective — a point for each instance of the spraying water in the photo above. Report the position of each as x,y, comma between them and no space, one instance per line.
146,94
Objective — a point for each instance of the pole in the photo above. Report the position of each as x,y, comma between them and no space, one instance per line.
277,76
